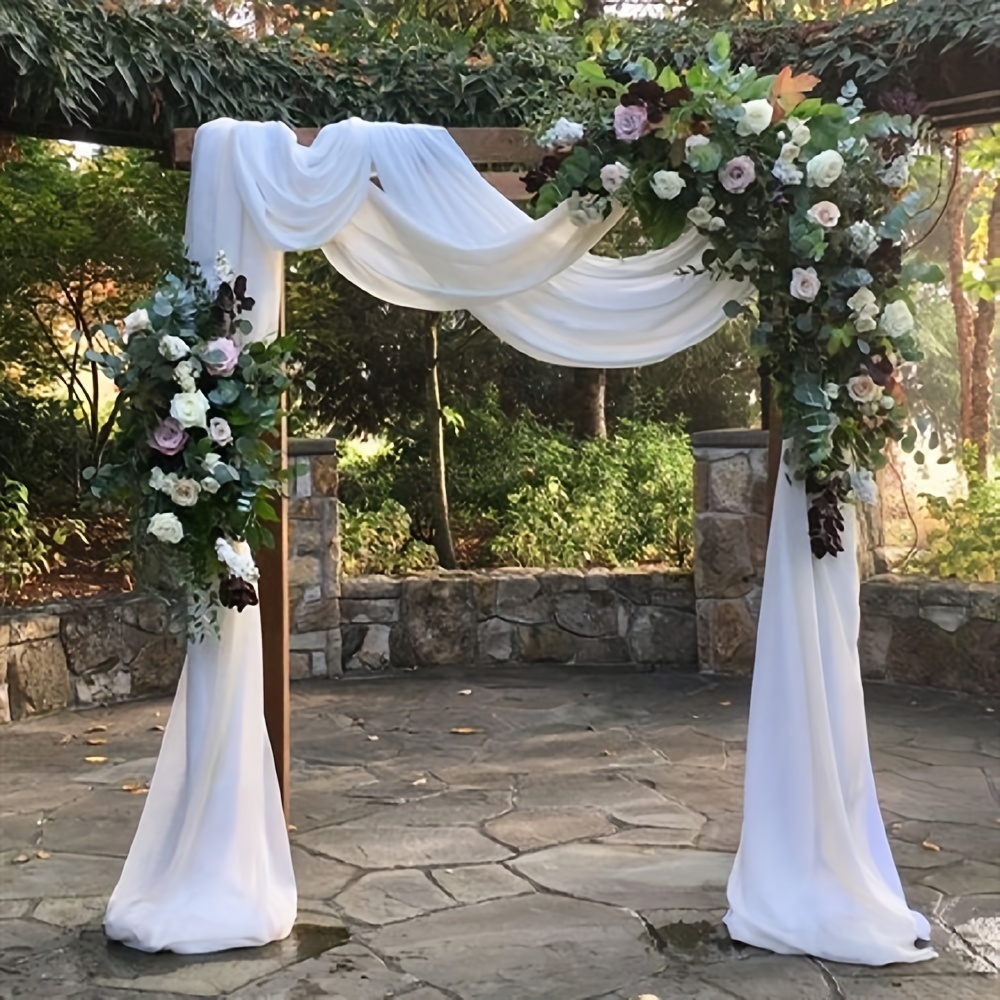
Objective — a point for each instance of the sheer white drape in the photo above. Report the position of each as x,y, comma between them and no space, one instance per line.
814,872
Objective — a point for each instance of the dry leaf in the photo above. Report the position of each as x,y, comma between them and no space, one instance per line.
605,753
419,781
725,704
157,729
96,729
374,739
42,855
788,91
292,828
96,760
929,846
991,710
21,859
96,741
466,691
464,730
135,786
68,738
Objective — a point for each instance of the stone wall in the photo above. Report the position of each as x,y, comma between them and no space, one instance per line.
730,540
518,617
941,633
314,559
87,652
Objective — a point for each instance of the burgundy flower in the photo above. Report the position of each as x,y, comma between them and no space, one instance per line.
880,368
237,593
169,438
535,180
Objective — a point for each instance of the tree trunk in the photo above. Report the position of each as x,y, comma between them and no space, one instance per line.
593,9
587,397
981,369
435,432
957,208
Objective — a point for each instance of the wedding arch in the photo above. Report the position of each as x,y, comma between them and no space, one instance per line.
697,156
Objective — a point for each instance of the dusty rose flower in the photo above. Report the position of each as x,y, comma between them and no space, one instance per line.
631,122
738,174
229,351
169,438
805,284
825,214
863,389
613,176
220,431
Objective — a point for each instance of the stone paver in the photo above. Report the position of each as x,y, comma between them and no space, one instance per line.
574,847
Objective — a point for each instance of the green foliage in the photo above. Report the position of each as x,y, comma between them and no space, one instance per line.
967,545
28,546
525,493
381,541
130,69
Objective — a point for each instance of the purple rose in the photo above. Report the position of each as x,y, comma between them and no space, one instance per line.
738,174
229,352
169,438
631,122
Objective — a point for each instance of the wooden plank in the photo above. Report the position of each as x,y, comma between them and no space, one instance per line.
481,145
274,623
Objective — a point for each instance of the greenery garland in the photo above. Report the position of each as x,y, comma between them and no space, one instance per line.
130,72
807,200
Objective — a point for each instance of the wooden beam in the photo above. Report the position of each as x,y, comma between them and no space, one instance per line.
481,145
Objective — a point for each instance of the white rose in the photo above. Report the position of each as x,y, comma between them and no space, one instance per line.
800,132
862,389
184,375
863,301
667,184
825,214
136,321
190,409
238,559
716,223
173,348
210,484
864,239
211,460
157,479
805,284
757,116
613,176
166,528
824,168
184,492
693,141
563,133
699,217
220,431
865,323
897,320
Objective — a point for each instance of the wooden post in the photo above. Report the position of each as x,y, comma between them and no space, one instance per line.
774,449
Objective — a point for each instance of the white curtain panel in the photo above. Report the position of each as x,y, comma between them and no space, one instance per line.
210,867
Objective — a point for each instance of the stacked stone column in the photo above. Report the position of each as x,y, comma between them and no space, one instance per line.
314,559
730,539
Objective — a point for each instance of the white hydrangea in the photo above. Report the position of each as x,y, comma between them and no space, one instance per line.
897,174
238,559
864,239
563,133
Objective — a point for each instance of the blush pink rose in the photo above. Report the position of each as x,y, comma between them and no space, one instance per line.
230,352
169,438
631,122
738,174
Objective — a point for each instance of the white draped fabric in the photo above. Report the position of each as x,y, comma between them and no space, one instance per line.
814,874
210,865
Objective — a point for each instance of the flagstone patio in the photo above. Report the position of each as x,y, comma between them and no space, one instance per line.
547,834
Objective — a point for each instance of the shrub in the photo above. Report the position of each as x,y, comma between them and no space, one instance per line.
967,545
381,541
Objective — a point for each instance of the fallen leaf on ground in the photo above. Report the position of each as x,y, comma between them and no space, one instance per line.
96,760
292,828
135,786
99,728
927,845
374,739
42,855
466,691
21,859
96,741
419,781
991,710
157,729
464,730
68,738
725,704
605,753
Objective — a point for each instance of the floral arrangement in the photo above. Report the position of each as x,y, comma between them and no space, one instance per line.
198,398
806,200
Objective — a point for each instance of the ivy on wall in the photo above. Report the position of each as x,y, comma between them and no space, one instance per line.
127,72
